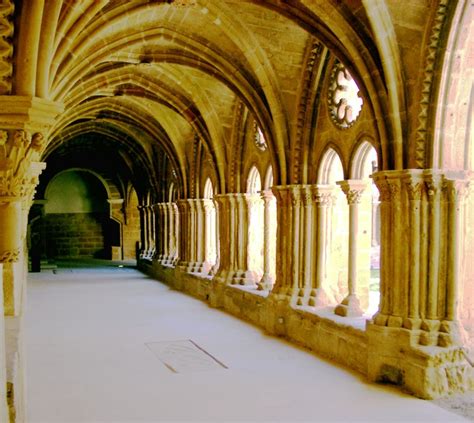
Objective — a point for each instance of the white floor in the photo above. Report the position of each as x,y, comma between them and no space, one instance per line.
93,341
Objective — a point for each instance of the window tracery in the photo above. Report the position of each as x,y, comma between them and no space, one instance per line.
345,102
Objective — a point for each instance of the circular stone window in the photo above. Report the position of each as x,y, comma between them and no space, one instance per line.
345,103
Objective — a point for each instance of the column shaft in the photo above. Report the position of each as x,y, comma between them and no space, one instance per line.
350,305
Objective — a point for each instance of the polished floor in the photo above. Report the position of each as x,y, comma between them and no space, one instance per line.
108,344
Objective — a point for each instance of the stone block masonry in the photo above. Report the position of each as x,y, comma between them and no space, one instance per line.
74,235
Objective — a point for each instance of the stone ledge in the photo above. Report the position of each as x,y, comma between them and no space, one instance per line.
345,343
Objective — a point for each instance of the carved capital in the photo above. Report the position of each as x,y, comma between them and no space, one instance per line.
456,190
296,195
19,168
353,189
282,194
323,195
395,188
434,185
307,196
266,195
382,186
415,186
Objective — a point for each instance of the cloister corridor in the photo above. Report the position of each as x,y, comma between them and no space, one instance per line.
98,337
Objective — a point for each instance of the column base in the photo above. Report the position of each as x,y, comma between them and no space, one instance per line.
318,298
395,357
349,307
244,277
266,283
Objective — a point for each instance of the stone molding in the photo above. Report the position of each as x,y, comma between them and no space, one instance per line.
7,9
433,55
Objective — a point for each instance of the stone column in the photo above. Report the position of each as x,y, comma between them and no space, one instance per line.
414,337
4,409
375,208
184,235
353,189
158,225
146,231
296,244
242,275
214,269
209,235
282,288
192,231
152,229
199,235
308,244
166,222
266,283
174,230
322,197
25,121
143,238
225,246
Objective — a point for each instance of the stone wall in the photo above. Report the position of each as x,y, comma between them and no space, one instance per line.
73,235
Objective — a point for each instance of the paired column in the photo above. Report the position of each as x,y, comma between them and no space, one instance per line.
160,232
233,218
323,198
241,205
420,253
302,243
150,217
295,242
143,232
184,239
166,227
226,244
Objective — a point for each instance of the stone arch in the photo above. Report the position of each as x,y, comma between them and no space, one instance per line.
361,163
453,148
254,181
453,145
208,192
330,167
102,180
268,182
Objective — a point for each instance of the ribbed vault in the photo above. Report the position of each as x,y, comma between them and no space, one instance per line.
176,72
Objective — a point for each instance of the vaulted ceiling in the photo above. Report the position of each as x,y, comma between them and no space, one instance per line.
149,76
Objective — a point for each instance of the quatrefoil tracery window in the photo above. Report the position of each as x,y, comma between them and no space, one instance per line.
345,103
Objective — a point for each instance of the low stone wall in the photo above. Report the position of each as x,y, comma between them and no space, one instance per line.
340,342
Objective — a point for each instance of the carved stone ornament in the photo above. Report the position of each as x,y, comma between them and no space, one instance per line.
259,138
345,103
9,256
18,151
7,8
